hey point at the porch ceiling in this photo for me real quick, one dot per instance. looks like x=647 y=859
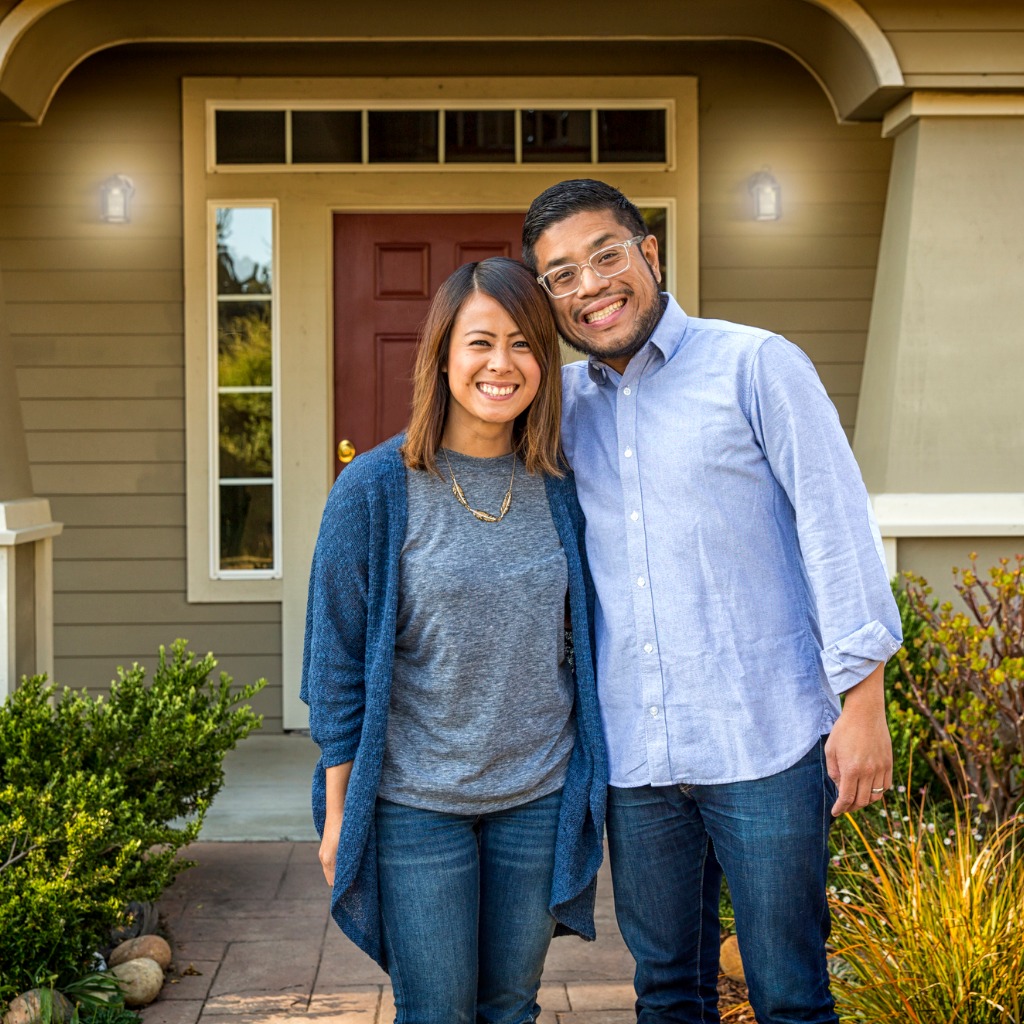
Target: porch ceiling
x=41 y=41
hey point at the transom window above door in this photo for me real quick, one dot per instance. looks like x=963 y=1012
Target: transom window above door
x=292 y=137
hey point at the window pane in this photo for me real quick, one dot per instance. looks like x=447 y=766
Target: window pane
x=245 y=250
x=245 y=436
x=244 y=355
x=403 y=136
x=246 y=527
x=556 y=136
x=631 y=135
x=479 y=136
x=327 y=137
x=250 y=136
x=657 y=225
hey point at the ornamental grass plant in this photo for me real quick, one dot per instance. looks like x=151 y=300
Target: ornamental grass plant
x=926 y=920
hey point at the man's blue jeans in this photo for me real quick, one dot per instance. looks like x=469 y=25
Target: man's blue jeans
x=669 y=846
x=464 y=901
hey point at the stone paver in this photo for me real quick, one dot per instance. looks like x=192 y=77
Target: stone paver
x=254 y=944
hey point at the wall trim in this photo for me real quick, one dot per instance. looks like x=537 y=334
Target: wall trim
x=950 y=104
x=949 y=515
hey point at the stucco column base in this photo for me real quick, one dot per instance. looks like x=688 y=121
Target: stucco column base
x=26 y=590
x=939 y=412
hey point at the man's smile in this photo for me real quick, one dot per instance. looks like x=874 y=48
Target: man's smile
x=596 y=316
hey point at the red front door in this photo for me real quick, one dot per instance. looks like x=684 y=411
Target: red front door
x=386 y=268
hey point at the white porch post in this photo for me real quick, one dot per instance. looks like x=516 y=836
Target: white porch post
x=26 y=543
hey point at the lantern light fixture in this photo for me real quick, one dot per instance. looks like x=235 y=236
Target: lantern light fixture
x=767 y=195
x=116 y=193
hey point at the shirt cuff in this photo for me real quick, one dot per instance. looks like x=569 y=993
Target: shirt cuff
x=852 y=659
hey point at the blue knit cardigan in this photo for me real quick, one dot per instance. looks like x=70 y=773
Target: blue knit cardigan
x=346 y=681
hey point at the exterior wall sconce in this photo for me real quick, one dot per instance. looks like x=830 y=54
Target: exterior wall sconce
x=767 y=195
x=115 y=204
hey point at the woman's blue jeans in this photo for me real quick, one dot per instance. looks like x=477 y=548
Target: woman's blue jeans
x=464 y=901
x=668 y=847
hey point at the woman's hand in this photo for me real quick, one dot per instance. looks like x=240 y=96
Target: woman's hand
x=337 y=785
x=329 y=845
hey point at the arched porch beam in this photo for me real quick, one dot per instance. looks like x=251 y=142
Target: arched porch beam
x=42 y=41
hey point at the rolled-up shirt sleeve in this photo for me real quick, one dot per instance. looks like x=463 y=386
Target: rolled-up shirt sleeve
x=799 y=431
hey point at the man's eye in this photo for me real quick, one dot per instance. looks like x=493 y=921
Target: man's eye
x=608 y=257
x=563 y=275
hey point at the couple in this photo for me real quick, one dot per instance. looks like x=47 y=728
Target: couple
x=469 y=754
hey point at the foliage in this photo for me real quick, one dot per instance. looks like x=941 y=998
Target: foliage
x=963 y=683
x=90 y=790
x=926 y=921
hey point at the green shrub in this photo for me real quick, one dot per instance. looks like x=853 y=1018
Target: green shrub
x=93 y=797
x=963 y=684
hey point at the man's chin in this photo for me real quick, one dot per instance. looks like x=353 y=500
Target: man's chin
x=621 y=351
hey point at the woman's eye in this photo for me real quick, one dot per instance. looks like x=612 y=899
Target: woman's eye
x=522 y=344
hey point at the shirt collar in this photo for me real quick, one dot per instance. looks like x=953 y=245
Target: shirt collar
x=665 y=339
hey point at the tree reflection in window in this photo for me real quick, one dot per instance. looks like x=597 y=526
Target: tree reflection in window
x=245 y=388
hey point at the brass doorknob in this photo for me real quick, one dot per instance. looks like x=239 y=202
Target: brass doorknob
x=346 y=451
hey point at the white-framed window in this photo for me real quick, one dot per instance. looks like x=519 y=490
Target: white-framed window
x=244 y=356
x=458 y=135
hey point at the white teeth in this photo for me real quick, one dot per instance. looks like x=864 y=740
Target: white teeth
x=497 y=392
x=603 y=314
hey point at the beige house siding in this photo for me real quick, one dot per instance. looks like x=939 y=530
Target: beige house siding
x=809 y=275
x=96 y=312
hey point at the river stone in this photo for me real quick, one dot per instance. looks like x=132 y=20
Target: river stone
x=152 y=946
x=141 y=980
x=26 y=1009
x=729 y=959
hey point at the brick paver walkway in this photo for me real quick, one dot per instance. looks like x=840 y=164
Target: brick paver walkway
x=254 y=944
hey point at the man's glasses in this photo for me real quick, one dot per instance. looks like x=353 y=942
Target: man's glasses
x=607 y=262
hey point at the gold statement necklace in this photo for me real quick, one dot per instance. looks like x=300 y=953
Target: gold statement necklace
x=460 y=497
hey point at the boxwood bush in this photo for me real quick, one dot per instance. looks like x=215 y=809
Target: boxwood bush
x=97 y=796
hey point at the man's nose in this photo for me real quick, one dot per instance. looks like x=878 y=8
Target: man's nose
x=591 y=283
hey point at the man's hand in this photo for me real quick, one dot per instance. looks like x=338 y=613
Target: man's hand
x=858 y=753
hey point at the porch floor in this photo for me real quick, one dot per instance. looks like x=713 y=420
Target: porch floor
x=253 y=940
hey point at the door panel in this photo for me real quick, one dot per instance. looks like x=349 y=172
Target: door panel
x=386 y=268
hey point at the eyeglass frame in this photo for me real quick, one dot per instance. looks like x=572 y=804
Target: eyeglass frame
x=627 y=244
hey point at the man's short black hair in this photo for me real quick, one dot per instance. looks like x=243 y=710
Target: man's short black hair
x=576 y=196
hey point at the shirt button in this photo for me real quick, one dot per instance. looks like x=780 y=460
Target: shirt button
x=627 y=391
x=634 y=516
x=628 y=453
x=648 y=648
x=654 y=712
x=640 y=581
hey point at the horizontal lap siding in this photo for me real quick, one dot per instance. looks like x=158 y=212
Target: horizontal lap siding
x=809 y=275
x=95 y=314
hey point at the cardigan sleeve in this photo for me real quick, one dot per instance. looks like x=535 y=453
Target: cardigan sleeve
x=334 y=655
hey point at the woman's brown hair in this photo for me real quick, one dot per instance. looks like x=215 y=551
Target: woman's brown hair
x=535 y=434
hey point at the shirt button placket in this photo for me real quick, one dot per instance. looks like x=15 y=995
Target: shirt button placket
x=651 y=693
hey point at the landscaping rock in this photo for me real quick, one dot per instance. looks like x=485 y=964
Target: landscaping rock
x=729 y=959
x=141 y=980
x=151 y=946
x=27 y=1008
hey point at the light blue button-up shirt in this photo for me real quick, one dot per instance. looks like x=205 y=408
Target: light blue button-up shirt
x=739 y=572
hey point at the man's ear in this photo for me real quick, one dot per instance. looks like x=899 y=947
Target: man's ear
x=649 y=247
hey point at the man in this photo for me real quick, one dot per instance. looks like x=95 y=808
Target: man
x=741 y=589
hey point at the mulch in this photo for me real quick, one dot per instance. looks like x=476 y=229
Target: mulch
x=732 y=1002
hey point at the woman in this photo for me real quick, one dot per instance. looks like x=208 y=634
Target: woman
x=461 y=784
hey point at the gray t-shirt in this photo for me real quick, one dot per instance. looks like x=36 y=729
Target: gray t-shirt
x=481 y=715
